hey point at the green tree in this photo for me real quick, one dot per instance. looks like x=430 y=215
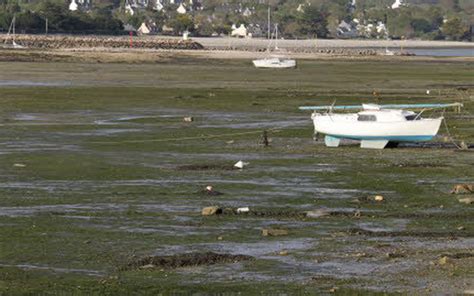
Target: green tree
x=182 y=23
x=454 y=29
x=313 y=22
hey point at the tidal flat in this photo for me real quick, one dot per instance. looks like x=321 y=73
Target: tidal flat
x=99 y=170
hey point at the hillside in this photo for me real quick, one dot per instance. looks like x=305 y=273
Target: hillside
x=423 y=19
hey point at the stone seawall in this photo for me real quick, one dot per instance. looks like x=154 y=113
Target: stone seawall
x=64 y=41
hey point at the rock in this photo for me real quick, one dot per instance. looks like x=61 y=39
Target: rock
x=243 y=210
x=463 y=189
x=378 y=198
x=318 y=213
x=209 y=190
x=468 y=292
x=274 y=232
x=188 y=119
x=209 y=211
x=19 y=165
x=283 y=253
x=467 y=200
x=148 y=266
x=443 y=260
x=220 y=238
x=461 y=228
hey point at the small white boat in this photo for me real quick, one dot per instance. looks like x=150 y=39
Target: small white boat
x=274 y=62
x=376 y=125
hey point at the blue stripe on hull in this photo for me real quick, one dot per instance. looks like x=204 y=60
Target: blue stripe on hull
x=390 y=138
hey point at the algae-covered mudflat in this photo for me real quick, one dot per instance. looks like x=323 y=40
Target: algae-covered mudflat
x=99 y=172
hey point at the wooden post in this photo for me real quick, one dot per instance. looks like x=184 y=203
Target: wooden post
x=131 y=39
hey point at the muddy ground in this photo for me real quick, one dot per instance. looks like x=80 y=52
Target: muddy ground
x=101 y=181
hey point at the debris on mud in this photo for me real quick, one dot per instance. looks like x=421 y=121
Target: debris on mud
x=209 y=190
x=209 y=211
x=206 y=167
x=458 y=255
x=467 y=200
x=432 y=234
x=240 y=164
x=274 y=232
x=186 y=260
x=318 y=213
x=463 y=189
x=419 y=165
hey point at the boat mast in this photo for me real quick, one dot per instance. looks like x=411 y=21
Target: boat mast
x=269 y=29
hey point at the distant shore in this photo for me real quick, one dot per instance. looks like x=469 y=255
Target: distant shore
x=308 y=44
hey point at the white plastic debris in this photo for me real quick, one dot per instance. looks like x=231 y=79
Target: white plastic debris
x=19 y=165
x=240 y=164
x=243 y=210
x=427 y=91
x=209 y=188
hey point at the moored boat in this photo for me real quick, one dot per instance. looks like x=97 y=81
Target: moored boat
x=376 y=125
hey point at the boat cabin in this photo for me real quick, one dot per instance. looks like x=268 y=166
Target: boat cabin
x=386 y=115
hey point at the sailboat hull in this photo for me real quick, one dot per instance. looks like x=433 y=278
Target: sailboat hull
x=347 y=127
x=274 y=63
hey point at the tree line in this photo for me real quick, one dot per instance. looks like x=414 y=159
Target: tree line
x=297 y=19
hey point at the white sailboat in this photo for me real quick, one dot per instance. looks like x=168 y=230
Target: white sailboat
x=376 y=125
x=12 y=29
x=274 y=61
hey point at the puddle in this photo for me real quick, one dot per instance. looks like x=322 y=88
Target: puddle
x=28 y=83
x=56 y=269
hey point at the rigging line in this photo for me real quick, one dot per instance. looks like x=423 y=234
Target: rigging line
x=274 y=130
x=449 y=133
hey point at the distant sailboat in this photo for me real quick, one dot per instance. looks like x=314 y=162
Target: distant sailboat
x=274 y=61
x=12 y=29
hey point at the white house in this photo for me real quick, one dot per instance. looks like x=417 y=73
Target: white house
x=240 y=31
x=73 y=6
x=181 y=9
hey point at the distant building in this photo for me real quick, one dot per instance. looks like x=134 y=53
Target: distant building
x=239 y=32
x=181 y=9
x=347 y=29
x=73 y=5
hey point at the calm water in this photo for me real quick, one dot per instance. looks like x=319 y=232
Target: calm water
x=441 y=52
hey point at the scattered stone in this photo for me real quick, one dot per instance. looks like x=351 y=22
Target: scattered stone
x=209 y=211
x=463 y=189
x=188 y=119
x=148 y=266
x=443 y=260
x=467 y=200
x=264 y=139
x=318 y=213
x=63 y=41
x=357 y=214
x=209 y=190
x=220 y=238
x=283 y=253
x=19 y=165
x=378 y=198
x=243 y=210
x=333 y=290
x=274 y=232
x=392 y=255
x=461 y=228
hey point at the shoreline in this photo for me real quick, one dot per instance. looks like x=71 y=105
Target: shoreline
x=136 y=55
